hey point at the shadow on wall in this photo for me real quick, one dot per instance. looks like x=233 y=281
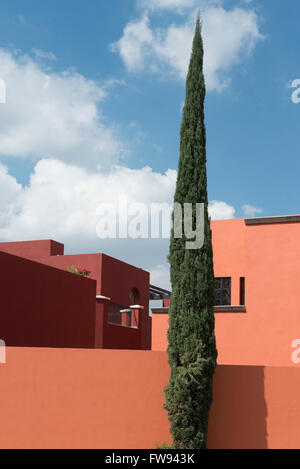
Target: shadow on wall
x=239 y=410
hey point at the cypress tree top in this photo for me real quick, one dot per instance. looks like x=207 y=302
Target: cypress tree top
x=191 y=186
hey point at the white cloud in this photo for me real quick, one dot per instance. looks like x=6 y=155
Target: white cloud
x=219 y=210
x=61 y=199
x=54 y=115
x=250 y=210
x=10 y=190
x=228 y=35
x=137 y=36
x=61 y=202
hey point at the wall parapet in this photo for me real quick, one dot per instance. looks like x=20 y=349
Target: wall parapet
x=272 y=220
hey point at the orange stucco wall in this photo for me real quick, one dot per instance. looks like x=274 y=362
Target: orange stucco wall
x=268 y=256
x=160 y=324
x=255 y=407
x=67 y=398
x=80 y=398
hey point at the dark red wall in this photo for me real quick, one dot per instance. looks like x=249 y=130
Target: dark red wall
x=91 y=262
x=42 y=306
x=33 y=249
x=115 y=279
x=118 y=278
x=112 y=336
x=120 y=337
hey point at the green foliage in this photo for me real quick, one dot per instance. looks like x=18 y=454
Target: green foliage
x=82 y=272
x=73 y=270
x=192 y=348
x=164 y=446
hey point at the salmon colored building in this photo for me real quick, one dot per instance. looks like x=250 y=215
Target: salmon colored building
x=257 y=271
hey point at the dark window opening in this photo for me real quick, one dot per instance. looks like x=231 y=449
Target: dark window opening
x=242 y=291
x=222 y=291
x=119 y=315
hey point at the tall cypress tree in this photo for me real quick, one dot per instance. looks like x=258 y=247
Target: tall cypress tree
x=192 y=348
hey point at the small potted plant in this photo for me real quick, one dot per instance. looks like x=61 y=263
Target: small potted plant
x=79 y=271
x=84 y=272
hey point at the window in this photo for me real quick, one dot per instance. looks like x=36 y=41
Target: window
x=222 y=291
x=242 y=291
x=134 y=296
x=119 y=315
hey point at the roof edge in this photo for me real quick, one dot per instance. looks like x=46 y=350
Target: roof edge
x=272 y=220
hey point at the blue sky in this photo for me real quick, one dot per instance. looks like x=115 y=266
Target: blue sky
x=94 y=95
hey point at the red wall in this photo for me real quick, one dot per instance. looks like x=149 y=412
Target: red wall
x=118 y=279
x=92 y=262
x=114 y=336
x=74 y=398
x=42 y=306
x=115 y=279
x=33 y=249
x=120 y=337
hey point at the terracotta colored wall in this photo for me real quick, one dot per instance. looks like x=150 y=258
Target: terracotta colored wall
x=160 y=324
x=74 y=398
x=54 y=398
x=268 y=256
x=255 y=407
x=43 y=306
x=229 y=248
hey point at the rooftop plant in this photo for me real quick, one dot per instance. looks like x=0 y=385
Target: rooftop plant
x=79 y=271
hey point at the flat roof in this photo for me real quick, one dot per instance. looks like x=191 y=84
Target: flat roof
x=269 y=220
x=157 y=293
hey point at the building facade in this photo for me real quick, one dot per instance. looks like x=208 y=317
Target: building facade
x=257 y=312
x=43 y=304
